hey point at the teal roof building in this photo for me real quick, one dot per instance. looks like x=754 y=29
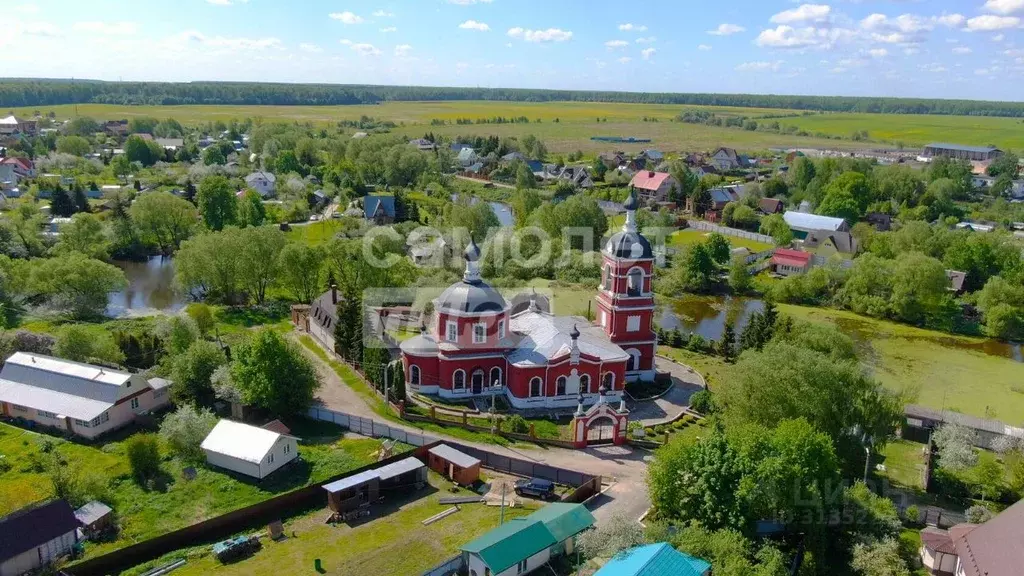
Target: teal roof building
x=654 y=560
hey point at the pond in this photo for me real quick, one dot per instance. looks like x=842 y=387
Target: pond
x=708 y=315
x=150 y=289
x=501 y=210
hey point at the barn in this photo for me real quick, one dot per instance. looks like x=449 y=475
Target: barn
x=248 y=450
x=461 y=468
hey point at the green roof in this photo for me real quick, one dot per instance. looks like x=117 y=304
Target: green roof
x=511 y=542
x=521 y=538
x=563 y=519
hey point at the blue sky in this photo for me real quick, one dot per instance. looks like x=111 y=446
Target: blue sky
x=928 y=48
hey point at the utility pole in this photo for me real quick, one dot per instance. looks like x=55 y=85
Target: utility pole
x=504 y=486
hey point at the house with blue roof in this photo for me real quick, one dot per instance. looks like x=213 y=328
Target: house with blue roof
x=379 y=209
x=654 y=560
x=523 y=545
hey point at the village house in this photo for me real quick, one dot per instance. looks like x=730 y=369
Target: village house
x=467 y=157
x=654 y=560
x=423 y=145
x=172 y=144
x=613 y=160
x=22 y=167
x=323 y=316
x=771 y=206
x=960 y=152
x=826 y=243
x=262 y=182
x=989 y=549
x=652 y=155
x=726 y=159
x=523 y=545
x=82 y=399
x=802 y=223
x=983 y=227
x=479 y=347
x=880 y=220
x=787 y=262
x=653 y=186
x=245 y=449
x=956 y=281
x=11 y=125
x=34 y=537
x=379 y=209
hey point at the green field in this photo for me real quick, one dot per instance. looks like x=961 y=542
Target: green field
x=144 y=512
x=691 y=236
x=393 y=542
x=577 y=123
x=940 y=370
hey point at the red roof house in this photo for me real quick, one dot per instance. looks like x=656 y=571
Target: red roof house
x=787 y=262
x=23 y=166
x=653 y=185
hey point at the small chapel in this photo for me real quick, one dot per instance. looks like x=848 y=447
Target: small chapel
x=478 y=347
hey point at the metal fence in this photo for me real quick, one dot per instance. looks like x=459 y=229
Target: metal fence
x=446 y=568
x=709 y=227
x=822 y=260
x=368 y=427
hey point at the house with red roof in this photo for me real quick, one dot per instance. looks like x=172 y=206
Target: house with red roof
x=653 y=186
x=989 y=549
x=787 y=262
x=23 y=167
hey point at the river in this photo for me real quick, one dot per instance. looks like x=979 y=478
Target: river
x=708 y=315
x=501 y=210
x=150 y=289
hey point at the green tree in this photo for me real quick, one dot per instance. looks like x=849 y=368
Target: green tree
x=739 y=276
x=989 y=474
x=719 y=247
x=216 y=202
x=77 y=283
x=685 y=182
x=121 y=166
x=693 y=269
x=143 y=452
x=164 y=220
x=803 y=172
x=74 y=145
x=86 y=235
x=82 y=343
x=191 y=373
x=900 y=184
x=701 y=200
x=61 y=203
x=1007 y=164
x=523 y=203
x=598 y=169
x=775 y=187
x=259 y=258
x=846 y=197
x=299 y=265
x=879 y=558
x=524 y=177
x=202 y=315
x=274 y=375
x=775 y=226
x=287 y=162
x=213 y=156
x=727 y=347
x=251 y=211
x=184 y=431
x=136 y=149
x=178 y=332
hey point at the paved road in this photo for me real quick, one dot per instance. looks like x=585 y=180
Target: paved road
x=685 y=382
x=625 y=466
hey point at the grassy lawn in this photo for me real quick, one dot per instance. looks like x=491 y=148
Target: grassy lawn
x=910 y=543
x=690 y=236
x=939 y=370
x=314 y=233
x=715 y=371
x=104 y=474
x=395 y=544
x=904 y=463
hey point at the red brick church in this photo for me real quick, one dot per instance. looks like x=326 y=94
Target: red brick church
x=538 y=360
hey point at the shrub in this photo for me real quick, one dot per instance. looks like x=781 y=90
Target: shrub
x=978 y=514
x=703 y=402
x=516 y=424
x=675 y=338
x=5 y=464
x=912 y=514
x=143 y=456
x=697 y=343
x=185 y=429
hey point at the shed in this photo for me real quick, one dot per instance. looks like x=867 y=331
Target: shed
x=95 y=517
x=36 y=536
x=461 y=468
x=348 y=493
x=247 y=449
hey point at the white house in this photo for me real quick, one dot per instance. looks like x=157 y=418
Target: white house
x=81 y=398
x=34 y=537
x=248 y=450
x=467 y=157
x=523 y=545
x=262 y=182
x=801 y=223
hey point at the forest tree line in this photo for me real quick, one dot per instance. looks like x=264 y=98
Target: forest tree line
x=49 y=92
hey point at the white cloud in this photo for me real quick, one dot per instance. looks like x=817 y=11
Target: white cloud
x=107 y=28
x=402 y=50
x=934 y=68
x=646 y=40
x=989 y=22
x=760 y=66
x=365 y=49
x=311 y=48
x=628 y=27
x=910 y=51
x=951 y=20
x=647 y=53
x=345 y=41
x=226 y=2
x=986 y=71
x=999 y=37
x=789 y=37
x=346 y=17
x=903 y=29
x=726 y=30
x=1004 y=6
x=469 y=2
x=624 y=60
x=474 y=25
x=19 y=28
x=803 y=13
x=549 y=35
x=612 y=44
x=703 y=47
x=878 y=52
x=508 y=44
x=389 y=29
x=383 y=14
x=961 y=50
x=228 y=43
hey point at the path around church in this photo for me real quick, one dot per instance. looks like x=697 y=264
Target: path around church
x=625 y=467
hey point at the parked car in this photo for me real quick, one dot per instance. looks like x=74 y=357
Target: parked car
x=536 y=487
